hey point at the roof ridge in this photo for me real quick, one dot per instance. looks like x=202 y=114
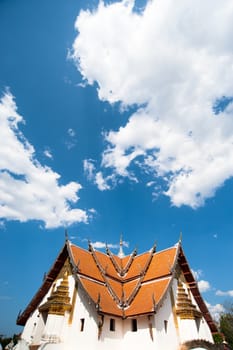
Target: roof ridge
x=129 y=262
x=101 y=269
x=120 y=269
x=143 y=272
x=113 y=260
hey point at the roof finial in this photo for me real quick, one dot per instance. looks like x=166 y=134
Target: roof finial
x=66 y=235
x=180 y=239
x=121 y=252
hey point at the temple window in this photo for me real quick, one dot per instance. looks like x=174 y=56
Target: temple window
x=82 y=321
x=134 y=325
x=112 y=325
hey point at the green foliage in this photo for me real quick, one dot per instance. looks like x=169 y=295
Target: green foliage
x=226 y=325
x=218 y=338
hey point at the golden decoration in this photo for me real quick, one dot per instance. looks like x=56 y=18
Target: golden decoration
x=185 y=309
x=59 y=301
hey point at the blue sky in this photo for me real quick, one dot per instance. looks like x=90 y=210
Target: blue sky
x=115 y=119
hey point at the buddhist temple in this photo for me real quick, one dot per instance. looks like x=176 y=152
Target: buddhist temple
x=95 y=300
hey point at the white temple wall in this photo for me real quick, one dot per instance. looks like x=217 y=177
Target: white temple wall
x=35 y=326
x=80 y=329
x=139 y=337
x=53 y=329
x=204 y=331
x=39 y=329
x=166 y=336
x=188 y=330
x=29 y=328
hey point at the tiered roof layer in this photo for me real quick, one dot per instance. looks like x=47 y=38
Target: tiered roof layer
x=131 y=286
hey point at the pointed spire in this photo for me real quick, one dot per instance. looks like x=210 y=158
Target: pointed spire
x=66 y=235
x=121 y=252
x=153 y=249
x=180 y=239
x=90 y=247
x=107 y=250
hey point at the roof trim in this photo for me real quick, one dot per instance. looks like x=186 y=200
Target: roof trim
x=195 y=290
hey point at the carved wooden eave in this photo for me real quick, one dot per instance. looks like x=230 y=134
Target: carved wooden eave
x=192 y=284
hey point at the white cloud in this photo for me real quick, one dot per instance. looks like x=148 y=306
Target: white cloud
x=125 y=244
x=29 y=190
x=203 y=286
x=100 y=245
x=92 y=210
x=197 y=273
x=71 y=132
x=101 y=182
x=71 y=141
x=89 y=168
x=228 y=293
x=174 y=59
x=48 y=153
x=97 y=177
x=92 y=213
x=215 y=310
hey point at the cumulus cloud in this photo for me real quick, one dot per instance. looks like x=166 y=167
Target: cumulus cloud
x=215 y=310
x=228 y=293
x=174 y=60
x=103 y=183
x=29 y=190
x=203 y=286
x=100 y=245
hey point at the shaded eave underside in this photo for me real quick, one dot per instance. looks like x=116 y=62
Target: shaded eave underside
x=195 y=291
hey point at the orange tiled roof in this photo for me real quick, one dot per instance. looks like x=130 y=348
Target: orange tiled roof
x=124 y=287
x=148 y=297
x=85 y=264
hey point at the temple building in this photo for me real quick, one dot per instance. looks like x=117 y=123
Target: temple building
x=94 y=300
